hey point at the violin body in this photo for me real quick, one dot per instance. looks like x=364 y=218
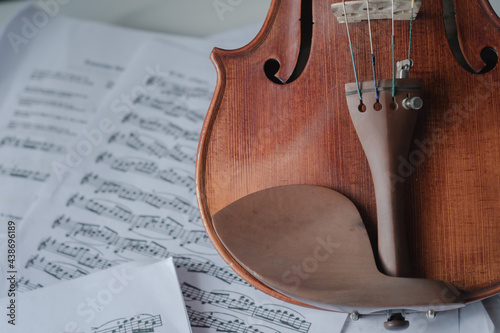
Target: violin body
x=295 y=128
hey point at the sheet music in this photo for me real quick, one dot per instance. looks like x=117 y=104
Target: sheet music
x=133 y=198
x=129 y=298
x=446 y=322
x=51 y=83
x=480 y=316
x=472 y=318
x=49 y=101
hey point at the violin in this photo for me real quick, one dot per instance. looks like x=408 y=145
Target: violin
x=350 y=163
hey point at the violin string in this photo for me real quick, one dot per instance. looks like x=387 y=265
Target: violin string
x=352 y=53
x=411 y=29
x=393 y=38
x=372 y=54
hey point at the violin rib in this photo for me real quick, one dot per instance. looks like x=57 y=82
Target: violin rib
x=260 y=134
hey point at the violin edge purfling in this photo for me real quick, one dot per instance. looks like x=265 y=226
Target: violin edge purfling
x=250 y=143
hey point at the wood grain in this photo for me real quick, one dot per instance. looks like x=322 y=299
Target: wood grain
x=259 y=134
x=333 y=268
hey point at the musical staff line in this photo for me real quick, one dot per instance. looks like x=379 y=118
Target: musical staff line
x=148 y=168
x=170 y=88
x=110 y=237
x=220 y=324
x=161 y=126
x=170 y=108
x=24 y=285
x=24 y=173
x=58 y=270
x=27 y=143
x=79 y=253
x=117 y=212
x=243 y=304
x=151 y=146
x=48 y=103
x=55 y=92
x=44 y=74
x=137 y=324
x=24 y=125
x=165 y=226
x=131 y=193
x=32 y=114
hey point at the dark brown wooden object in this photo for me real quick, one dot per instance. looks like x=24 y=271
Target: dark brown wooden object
x=259 y=134
x=385 y=130
x=309 y=243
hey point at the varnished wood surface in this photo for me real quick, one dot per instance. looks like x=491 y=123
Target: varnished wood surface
x=260 y=134
x=337 y=269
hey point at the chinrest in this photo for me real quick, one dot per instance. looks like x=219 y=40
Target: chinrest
x=310 y=243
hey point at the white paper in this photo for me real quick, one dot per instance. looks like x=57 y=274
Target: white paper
x=48 y=95
x=133 y=197
x=490 y=316
x=53 y=75
x=133 y=297
x=444 y=322
x=472 y=318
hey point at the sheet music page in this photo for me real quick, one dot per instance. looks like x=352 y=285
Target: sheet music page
x=53 y=76
x=131 y=196
x=127 y=189
x=472 y=318
x=133 y=297
x=477 y=317
x=445 y=322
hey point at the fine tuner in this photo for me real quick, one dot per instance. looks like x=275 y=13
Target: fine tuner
x=303 y=180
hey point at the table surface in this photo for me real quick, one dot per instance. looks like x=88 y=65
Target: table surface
x=186 y=17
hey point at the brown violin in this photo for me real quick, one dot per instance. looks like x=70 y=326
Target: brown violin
x=349 y=158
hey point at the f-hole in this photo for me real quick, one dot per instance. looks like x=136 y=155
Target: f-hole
x=272 y=66
x=489 y=55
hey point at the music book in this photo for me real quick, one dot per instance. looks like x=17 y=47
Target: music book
x=98 y=140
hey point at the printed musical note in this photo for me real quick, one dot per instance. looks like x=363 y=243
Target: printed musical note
x=120 y=244
x=24 y=285
x=170 y=88
x=209 y=268
x=136 y=324
x=149 y=168
x=22 y=125
x=53 y=92
x=46 y=74
x=10 y=217
x=59 y=270
x=40 y=114
x=83 y=255
x=124 y=191
x=26 y=101
x=92 y=231
x=275 y=314
x=165 y=226
x=170 y=108
x=27 y=143
x=103 y=214
x=161 y=126
x=151 y=146
x=222 y=322
x=24 y=173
